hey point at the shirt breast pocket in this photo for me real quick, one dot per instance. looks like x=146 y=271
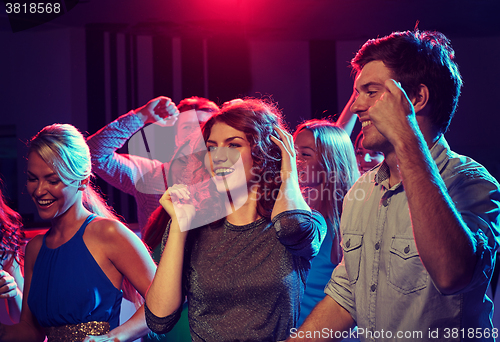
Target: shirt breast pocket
x=351 y=245
x=405 y=272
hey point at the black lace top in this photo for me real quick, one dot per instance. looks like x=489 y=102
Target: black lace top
x=245 y=283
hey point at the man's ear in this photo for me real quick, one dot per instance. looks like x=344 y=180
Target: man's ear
x=420 y=100
x=84 y=183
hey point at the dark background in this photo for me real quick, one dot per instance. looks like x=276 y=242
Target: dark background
x=102 y=58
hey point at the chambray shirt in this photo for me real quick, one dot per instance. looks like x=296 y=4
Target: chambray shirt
x=143 y=178
x=381 y=281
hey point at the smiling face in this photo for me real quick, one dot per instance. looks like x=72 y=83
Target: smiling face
x=229 y=158
x=369 y=86
x=188 y=122
x=51 y=196
x=367 y=159
x=310 y=174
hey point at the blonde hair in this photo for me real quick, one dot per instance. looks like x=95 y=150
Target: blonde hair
x=336 y=156
x=65 y=150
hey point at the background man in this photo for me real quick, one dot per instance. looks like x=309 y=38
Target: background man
x=125 y=171
x=145 y=177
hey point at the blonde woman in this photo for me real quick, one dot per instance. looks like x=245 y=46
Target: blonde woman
x=328 y=169
x=74 y=273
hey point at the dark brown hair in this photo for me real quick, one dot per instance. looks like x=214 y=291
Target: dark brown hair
x=256 y=118
x=415 y=58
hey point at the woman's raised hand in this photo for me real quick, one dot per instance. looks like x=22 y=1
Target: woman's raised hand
x=290 y=196
x=178 y=204
x=288 y=155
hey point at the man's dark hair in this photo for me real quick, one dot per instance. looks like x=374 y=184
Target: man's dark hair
x=419 y=57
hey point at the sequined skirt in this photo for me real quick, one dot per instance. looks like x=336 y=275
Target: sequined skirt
x=76 y=332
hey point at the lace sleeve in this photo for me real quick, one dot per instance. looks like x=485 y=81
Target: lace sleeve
x=162 y=325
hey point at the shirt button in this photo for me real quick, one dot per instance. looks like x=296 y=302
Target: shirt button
x=348 y=243
x=372 y=330
x=385 y=202
x=407 y=249
x=377 y=246
x=373 y=287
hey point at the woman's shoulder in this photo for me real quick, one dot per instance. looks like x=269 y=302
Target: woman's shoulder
x=35 y=243
x=32 y=248
x=107 y=230
x=111 y=238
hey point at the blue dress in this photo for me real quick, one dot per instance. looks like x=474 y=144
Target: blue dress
x=319 y=275
x=69 y=287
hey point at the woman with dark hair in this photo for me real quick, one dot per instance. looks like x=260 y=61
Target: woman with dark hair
x=244 y=269
x=11 y=261
x=327 y=170
x=74 y=273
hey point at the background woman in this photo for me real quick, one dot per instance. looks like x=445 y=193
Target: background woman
x=153 y=232
x=328 y=169
x=11 y=258
x=73 y=273
x=367 y=159
x=243 y=275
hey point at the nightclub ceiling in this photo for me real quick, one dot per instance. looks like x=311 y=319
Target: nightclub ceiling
x=285 y=19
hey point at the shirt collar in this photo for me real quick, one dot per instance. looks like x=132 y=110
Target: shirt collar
x=383 y=173
x=440 y=153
